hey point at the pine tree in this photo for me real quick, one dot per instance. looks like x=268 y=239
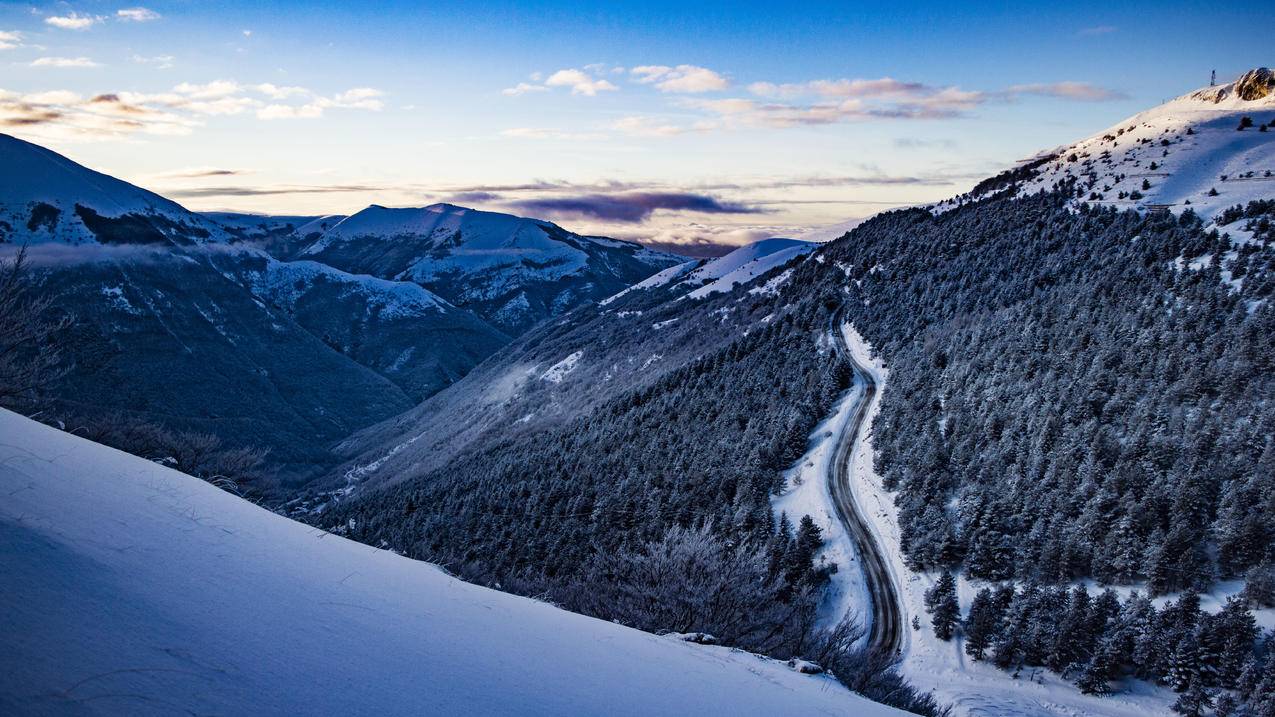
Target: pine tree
x=944 y=608
x=982 y=624
x=1193 y=701
x=801 y=559
x=1095 y=677
x=1184 y=664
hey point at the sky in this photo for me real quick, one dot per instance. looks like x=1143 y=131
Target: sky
x=689 y=124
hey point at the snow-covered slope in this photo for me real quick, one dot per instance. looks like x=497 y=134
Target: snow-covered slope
x=701 y=278
x=745 y=264
x=133 y=589
x=45 y=197
x=287 y=281
x=1188 y=152
x=513 y=271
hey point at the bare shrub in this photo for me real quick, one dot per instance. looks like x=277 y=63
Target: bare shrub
x=195 y=453
x=30 y=357
x=692 y=581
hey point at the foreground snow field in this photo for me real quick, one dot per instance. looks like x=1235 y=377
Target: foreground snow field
x=130 y=588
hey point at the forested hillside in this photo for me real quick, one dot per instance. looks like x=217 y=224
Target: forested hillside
x=1074 y=394
x=702 y=447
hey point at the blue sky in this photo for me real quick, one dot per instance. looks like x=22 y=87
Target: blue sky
x=678 y=122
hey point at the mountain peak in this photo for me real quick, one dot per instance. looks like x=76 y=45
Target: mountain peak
x=46 y=197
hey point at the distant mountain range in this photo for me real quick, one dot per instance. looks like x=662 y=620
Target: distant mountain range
x=284 y=332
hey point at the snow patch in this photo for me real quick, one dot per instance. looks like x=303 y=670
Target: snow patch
x=559 y=371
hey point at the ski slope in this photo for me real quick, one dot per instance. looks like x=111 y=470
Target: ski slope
x=133 y=589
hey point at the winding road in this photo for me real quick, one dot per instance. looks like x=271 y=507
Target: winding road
x=886 y=631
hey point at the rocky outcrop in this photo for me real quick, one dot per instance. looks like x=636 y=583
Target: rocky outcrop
x=1252 y=85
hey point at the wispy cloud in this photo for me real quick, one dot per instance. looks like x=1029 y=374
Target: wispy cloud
x=73 y=21
x=882 y=87
x=643 y=126
x=857 y=100
x=111 y=115
x=871 y=177
x=580 y=82
x=546 y=133
x=1099 y=30
x=1081 y=91
x=162 y=62
x=64 y=62
x=523 y=88
x=10 y=39
x=689 y=79
x=630 y=207
x=202 y=173
x=240 y=191
x=137 y=14
x=359 y=98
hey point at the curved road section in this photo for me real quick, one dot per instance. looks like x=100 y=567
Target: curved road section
x=886 y=632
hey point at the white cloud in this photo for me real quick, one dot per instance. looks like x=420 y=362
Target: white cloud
x=65 y=115
x=210 y=90
x=638 y=126
x=544 y=133
x=73 y=21
x=523 y=88
x=690 y=79
x=64 y=62
x=10 y=39
x=162 y=62
x=136 y=14
x=1099 y=30
x=580 y=82
x=276 y=92
x=359 y=98
x=219 y=106
x=306 y=111
x=52 y=97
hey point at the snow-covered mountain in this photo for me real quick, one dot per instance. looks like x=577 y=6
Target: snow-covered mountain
x=133 y=589
x=1207 y=150
x=187 y=322
x=512 y=271
x=45 y=197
